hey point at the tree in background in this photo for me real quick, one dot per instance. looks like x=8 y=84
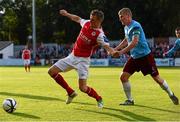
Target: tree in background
x=158 y=17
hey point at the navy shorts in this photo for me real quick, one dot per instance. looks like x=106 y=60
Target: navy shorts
x=144 y=64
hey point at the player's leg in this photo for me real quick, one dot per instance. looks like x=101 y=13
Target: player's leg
x=163 y=84
x=151 y=68
x=25 y=65
x=54 y=73
x=28 y=66
x=127 y=88
x=82 y=69
x=128 y=70
x=90 y=92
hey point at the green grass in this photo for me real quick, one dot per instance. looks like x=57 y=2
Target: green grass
x=41 y=99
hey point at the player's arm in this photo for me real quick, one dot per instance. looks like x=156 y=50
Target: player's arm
x=70 y=16
x=173 y=49
x=104 y=42
x=131 y=45
x=135 y=39
x=110 y=50
x=124 y=43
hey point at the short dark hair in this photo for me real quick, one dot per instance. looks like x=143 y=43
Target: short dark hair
x=98 y=13
x=178 y=28
x=125 y=11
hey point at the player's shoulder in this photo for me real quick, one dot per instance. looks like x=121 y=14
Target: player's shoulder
x=84 y=21
x=100 y=31
x=135 y=23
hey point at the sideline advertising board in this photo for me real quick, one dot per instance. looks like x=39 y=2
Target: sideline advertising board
x=177 y=62
x=162 y=61
x=99 y=62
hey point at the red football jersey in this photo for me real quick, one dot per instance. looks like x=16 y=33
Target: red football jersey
x=26 y=54
x=87 y=40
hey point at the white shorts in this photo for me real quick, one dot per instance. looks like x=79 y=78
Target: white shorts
x=80 y=64
x=26 y=61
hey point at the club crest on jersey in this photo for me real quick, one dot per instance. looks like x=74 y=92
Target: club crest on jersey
x=93 y=33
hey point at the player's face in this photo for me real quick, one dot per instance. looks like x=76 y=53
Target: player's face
x=125 y=19
x=95 y=22
x=178 y=33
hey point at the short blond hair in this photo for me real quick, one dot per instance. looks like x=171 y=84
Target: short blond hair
x=125 y=11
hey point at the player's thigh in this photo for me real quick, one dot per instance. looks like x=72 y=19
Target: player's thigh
x=59 y=66
x=28 y=62
x=83 y=70
x=148 y=66
x=54 y=70
x=65 y=64
x=25 y=62
x=130 y=66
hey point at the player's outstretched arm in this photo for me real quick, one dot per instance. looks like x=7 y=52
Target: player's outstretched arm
x=123 y=44
x=70 y=16
x=127 y=48
x=109 y=49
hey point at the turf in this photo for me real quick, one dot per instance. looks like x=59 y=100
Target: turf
x=39 y=98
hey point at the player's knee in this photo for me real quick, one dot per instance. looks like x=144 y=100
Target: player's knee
x=82 y=88
x=50 y=72
x=123 y=78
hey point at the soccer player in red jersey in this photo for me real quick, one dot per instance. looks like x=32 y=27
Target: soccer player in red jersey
x=91 y=35
x=26 y=56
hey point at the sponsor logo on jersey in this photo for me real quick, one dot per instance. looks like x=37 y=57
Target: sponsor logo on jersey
x=84 y=38
x=93 y=33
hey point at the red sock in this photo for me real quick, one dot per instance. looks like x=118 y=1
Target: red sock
x=60 y=80
x=92 y=93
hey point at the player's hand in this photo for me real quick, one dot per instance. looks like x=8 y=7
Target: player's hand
x=63 y=12
x=115 y=49
x=115 y=54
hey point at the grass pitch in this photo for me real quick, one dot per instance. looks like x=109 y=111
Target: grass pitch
x=39 y=98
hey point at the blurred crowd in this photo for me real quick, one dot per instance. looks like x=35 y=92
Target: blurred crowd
x=159 y=49
x=55 y=51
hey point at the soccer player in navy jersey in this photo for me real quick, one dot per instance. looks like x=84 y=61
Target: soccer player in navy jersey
x=176 y=46
x=91 y=35
x=140 y=59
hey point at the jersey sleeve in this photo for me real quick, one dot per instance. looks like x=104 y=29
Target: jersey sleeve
x=174 y=48
x=82 y=22
x=102 y=39
x=136 y=31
